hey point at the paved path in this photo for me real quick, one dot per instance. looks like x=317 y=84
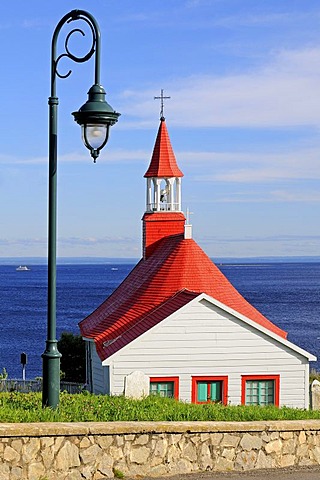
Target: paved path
x=307 y=473
x=312 y=473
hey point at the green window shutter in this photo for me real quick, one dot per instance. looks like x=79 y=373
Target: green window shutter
x=209 y=391
x=202 y=392
x=216 y=392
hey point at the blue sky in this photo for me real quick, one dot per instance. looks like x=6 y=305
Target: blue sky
x=243 y=118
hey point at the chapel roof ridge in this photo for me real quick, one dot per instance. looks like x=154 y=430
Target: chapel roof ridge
x=177 y=271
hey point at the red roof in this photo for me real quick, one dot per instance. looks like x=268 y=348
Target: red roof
x=163 y=162
x=176 y=273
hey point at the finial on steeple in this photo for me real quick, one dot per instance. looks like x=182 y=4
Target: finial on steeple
x=162 y=98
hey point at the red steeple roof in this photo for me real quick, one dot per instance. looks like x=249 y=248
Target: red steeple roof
x=176 y=273
x=163 y=162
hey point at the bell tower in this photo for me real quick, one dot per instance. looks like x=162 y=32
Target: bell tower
x=163 y=215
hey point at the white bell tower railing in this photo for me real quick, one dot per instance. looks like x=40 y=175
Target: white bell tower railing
x=163 y=194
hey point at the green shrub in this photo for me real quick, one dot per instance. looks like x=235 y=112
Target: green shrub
x=84 y=407
x=4 y=374
x=73 y=360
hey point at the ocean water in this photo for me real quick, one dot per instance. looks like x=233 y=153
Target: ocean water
x=287 y=293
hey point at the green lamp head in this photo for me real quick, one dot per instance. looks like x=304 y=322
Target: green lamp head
x=95 y=117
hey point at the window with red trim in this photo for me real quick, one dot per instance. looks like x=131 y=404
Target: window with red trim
x=210 y=390
x=165 y=387
x=260 y=390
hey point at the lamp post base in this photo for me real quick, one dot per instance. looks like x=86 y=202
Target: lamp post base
x=51 y=375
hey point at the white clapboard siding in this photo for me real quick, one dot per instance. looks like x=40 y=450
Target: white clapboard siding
x=203 y=339
x=100 y=374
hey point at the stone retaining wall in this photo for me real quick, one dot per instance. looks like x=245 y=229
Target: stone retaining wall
x=74 y=451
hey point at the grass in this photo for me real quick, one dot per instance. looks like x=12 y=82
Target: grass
x=117 y=473
x=19 y=407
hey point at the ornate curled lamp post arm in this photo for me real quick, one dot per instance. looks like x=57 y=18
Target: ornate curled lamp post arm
x=95 y=117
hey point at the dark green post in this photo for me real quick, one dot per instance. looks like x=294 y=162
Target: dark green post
x=51 y=355
x=95 y=119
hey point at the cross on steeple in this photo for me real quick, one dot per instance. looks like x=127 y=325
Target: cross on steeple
x=162 y=98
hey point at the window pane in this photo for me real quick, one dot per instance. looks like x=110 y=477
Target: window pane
x=259 y=392
x=252 y=395
x=153 y=388
x=164 y=389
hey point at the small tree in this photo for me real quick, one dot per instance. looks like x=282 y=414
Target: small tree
x=4 y=374
x=73 y=360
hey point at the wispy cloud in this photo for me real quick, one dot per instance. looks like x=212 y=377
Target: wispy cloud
x=256 y=167
x=67 y=241
x=113 y=155
x=266 y=19
x=312 y=196
x=6 y=242
x=261 y=238
x=284 y=92
x=261 y=245
x=30 y=23
x=120 y=246
x=90 y=241
x=27 y=23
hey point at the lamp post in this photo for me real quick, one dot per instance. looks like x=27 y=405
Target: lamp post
x=95 y=117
